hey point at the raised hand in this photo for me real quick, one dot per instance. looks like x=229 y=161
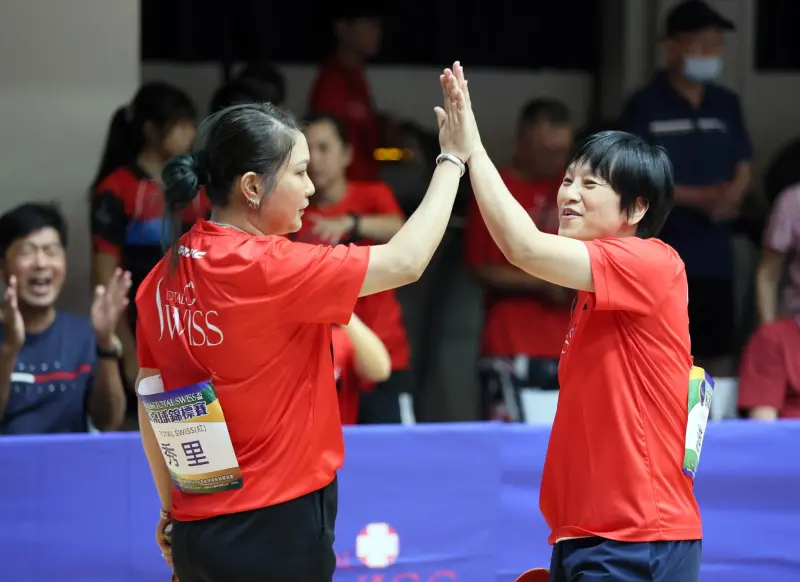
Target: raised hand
x=110 y=302
x=458 y=134
x=12 y=319
x=470 y=124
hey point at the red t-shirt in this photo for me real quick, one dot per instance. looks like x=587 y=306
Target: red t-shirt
x=344 y=372
x=769 y=374
x=381 y=312
x=613 y=466
x=344 y=92
x=517 y=322
x=254 y=313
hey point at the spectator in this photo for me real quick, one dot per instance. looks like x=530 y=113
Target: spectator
x=341 y=211
x=702 y=128
x=781 y=247
x=256 y=84
x=55 y=368
x=359 y=357
x=769 y=375
x=526 y=318
x=341 y=87
x=127 y=217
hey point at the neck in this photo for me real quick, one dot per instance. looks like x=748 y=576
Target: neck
x=692 y=91
x=151 y=162
x=350 y=58
x=37 y=319
x=235 y=218
x=330 y=195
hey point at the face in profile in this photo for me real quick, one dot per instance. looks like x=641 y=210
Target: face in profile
x=330 y=156
x=178 y=139
x=589 y=208
x=281 y=211
x=39 y=263
x=544 y=148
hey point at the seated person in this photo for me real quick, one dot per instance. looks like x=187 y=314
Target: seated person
x=346 y=211
x=56 y=368
x=526 y=318
x=256 y=84
x=359 y=357
x=769 y=373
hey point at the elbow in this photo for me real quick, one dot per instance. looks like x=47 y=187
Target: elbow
x=382 y=371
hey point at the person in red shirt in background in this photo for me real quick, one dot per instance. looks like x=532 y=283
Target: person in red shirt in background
x=365 y=213
x=341 y=87
x=127 y=204
x=617 y=486
x=358 y=356
x=526 y=317
x=769 y=373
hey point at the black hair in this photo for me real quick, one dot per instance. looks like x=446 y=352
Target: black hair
x=241 y=91
x=549 y=110
x=26 y=219
x=158 y=103
x=253 y=137
x=338 y=124
x=268 y=78
x=635 y=170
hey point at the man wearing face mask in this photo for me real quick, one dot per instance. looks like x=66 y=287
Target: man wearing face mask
x=701 y=125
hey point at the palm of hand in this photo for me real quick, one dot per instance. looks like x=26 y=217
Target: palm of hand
x=458 y=128
x=109 y=303
x=12 y=318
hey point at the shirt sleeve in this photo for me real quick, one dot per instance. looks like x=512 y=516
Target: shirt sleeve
x=143 y=353
x=315 y=283
x=633 y=274
x=783 y=220
x=479 y=246
x=109 y=222
x=762 y=373
x=634 y=117
x=383 y=201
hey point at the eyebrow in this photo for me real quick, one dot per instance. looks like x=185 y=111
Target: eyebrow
x=301 y=162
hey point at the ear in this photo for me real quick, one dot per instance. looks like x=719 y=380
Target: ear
x=248 y=185
x=637 y=213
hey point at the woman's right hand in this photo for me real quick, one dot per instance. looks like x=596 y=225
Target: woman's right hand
x=458 y=130
x=165 y=541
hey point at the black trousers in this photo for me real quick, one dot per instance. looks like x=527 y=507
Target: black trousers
x=289 y=542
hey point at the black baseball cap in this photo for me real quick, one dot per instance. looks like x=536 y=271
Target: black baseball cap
x=693 y=16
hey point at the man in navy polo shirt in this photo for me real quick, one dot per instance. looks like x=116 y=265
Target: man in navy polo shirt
x=57 y=370
x=701 y=126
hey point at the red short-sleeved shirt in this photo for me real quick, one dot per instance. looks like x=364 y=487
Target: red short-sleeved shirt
x=613 y=466
x=255 y=314
x=344 y=372
x=769 y=374
x=517 y=322
x=343 y=91
x=382 y=311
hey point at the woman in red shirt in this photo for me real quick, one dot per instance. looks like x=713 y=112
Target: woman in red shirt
x=128 y=211
x=364 y=213
x=240 y=422
x=358 y=356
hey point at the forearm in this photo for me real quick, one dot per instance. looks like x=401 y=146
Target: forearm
x=741 y=182
x=8 y=360
x=768 y=275
x=107 y=397
x=161 y=476
x=380 y=228
x=404 y=258
x=763 y=413
x=372 y=360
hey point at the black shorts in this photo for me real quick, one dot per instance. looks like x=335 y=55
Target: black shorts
x=712 y=316
x=381 y=405
x=288 y=542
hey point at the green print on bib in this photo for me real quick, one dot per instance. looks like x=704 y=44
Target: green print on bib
x=701 y=389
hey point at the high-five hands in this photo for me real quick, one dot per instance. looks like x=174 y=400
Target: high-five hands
x=458 y=130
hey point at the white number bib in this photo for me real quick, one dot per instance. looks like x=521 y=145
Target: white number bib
x=701 y=389
x=191 y=431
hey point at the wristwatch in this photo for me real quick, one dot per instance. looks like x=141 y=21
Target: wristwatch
x=115 y=353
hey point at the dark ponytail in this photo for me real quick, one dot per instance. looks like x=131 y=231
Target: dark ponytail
x=119 y=149
x=183 y=176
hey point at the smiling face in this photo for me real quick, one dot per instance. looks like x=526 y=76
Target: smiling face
x=39 y=263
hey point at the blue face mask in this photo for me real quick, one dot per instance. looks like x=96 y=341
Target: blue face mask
x=702 y=69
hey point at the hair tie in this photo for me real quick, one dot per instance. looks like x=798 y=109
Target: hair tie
x=201 y=165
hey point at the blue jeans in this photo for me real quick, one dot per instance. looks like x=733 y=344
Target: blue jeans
x=598 y=559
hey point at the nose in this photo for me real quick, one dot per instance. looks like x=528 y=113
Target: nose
x=569 y=194
x=310 y=189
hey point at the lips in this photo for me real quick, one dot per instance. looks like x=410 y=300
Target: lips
x=570 y=213
x=40 y=285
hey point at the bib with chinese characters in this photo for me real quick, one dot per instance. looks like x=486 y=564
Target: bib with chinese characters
x=190 y=429
x=701 y=389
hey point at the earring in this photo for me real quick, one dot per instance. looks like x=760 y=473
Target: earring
x=253 y=203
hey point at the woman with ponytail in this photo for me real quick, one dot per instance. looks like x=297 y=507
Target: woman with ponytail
x=127 y=213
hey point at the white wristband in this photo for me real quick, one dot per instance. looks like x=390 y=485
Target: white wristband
x=451 y=158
